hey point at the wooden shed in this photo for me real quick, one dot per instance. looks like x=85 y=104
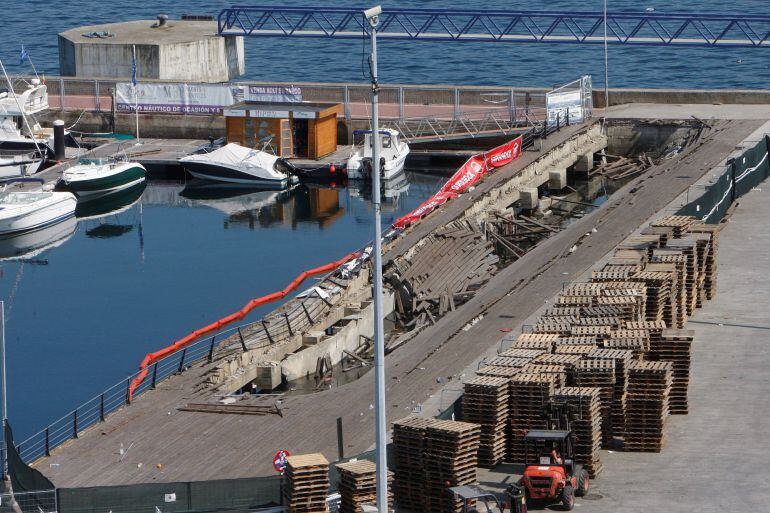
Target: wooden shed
x=290 y=130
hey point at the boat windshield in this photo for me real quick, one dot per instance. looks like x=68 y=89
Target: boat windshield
x=94 y=161
x=22 y=198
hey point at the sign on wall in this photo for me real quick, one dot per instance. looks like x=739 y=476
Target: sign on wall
x=177 y=98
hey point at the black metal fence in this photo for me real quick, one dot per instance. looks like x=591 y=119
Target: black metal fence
x=740 y=175
x=200 y=496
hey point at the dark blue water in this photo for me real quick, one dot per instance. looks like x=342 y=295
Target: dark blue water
x=436 y=63
x=81 y=315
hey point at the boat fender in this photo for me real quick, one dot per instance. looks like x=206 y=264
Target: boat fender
x=332 y=169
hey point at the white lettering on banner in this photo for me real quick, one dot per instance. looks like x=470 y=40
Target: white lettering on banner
x=274 y=94
x=177 y=98
x=502 y=156
x=472 y=171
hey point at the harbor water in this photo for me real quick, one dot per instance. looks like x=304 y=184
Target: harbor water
x=543 y=65
x=83 y=309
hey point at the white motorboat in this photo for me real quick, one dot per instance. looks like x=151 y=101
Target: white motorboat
x=19 y=165
x=16 y=133
x=233 y=163
x=393 y=152
x=101 y=176
x=27 y=211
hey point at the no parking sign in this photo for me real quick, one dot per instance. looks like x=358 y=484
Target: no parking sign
x=279 y=460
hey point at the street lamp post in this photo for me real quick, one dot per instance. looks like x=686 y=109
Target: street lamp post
x=372 y=17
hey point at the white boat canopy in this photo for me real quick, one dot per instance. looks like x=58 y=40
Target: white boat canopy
x=258 y=163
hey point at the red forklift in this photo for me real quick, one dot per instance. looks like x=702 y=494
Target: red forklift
x=551 y=475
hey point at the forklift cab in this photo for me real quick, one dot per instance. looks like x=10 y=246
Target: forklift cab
x=550 y=448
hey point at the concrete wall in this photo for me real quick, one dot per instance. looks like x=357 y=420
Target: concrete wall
x=592 y=139
x=634 y=137
x=210 y=59
x=205 y=60
x=679 y=96
x=299 y=364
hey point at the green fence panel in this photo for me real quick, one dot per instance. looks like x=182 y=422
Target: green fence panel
x=742 y=174
x=196 y=496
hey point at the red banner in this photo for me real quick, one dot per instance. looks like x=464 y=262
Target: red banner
x=470 y=173
x=504 y=154
x=424 y=209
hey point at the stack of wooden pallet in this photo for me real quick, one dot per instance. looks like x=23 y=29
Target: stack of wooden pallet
x=649 y=386
x=621 y=359
x=679 y=224
x=306 y=483
x=358 y=485
x=600 y=374
x=485 y=402
x=658 y=293
x=409 y=465
x=710 y=264
x=679 y=260
x=675 y=347
x=450 y=458
x=688 y=248
x=586 y=424
x=529 y=395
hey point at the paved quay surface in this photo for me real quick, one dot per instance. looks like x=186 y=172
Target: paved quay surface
x=195 y=446
x=714 y=457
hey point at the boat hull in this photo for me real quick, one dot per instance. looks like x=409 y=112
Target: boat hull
x=216 y=173
x=60 y=208
x=102 y=185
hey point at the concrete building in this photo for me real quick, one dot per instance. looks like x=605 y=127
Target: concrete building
x=179 y=50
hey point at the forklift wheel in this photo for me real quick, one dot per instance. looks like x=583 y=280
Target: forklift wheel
x=583 y=484
x=568 y=498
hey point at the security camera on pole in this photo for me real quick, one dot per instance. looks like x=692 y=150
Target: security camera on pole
x=372 y=17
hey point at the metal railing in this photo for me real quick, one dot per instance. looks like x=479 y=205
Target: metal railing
x=96 y=410
x=465 y=124
x=397 y=101
x=29 y=502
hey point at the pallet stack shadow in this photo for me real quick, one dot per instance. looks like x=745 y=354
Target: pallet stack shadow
x=306 y=483
x=485 y=402
x=358 y=485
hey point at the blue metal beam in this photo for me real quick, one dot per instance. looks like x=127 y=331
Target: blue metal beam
x=624 y=28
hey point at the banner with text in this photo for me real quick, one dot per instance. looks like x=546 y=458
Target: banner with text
x=503 y=154
x=274 y=94
x=177 y=98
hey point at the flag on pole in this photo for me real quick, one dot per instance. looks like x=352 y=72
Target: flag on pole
x=23 y=55
x=133 y=66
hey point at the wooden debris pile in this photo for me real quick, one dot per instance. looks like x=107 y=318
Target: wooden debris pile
x=618 y=167
x=306 y=483
x=441 y=273
x=514 y=234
